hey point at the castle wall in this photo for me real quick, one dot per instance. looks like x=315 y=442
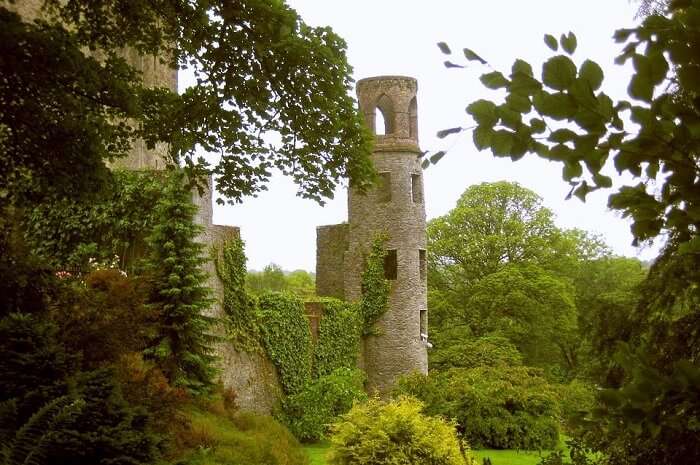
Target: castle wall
x=331 y=244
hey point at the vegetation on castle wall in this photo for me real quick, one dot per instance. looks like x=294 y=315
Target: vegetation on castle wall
x=69 y=233
x=339 y=334
x=242 y=329
x=375 y=288
x=287 y=338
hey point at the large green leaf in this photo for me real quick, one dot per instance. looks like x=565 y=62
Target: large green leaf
x=559 y=72
x=483 y=112
x=519 y=103
x=482 y=137
x=502 y=142
x=592 y=73
x=558 y=106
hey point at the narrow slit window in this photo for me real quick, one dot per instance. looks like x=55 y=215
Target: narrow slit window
x=422 y=265
x=424 y=325
x=390 y=265
x=416 y=191
x=384 y=187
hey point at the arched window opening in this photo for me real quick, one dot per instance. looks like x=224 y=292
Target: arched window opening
x=413 y=119
x=379 y=122
x=384 y=116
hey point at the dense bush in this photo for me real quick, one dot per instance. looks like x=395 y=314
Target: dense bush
x=104 y=316
x=395 y=433
x=309 y=413
x=287 y=338
x=339 y=335
x=496 y=407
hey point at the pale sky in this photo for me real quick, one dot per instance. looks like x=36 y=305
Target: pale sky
x=399 y=37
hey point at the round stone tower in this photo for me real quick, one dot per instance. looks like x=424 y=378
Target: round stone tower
x=394 y=207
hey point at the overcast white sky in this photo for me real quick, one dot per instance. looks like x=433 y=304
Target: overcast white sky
x=399 y=37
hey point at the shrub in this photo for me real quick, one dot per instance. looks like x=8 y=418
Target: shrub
x=309 y=413
x=501 y=408
x=395 y=433
x=104 y=317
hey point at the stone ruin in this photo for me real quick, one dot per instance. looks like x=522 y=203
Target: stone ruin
x=395 y=207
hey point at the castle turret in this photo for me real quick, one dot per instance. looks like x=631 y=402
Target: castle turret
x=395 y=207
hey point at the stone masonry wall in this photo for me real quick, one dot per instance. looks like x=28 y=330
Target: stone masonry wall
x=331 y=244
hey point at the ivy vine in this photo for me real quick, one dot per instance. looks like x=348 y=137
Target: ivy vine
x=339 y=334
x=287 y=338
x=375 y=287
x=69 y=233
x=242 y=328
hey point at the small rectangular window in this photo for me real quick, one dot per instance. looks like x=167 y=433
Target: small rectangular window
x=384 y=187
x=416 y=191
x=422 y=265
x=390 y=265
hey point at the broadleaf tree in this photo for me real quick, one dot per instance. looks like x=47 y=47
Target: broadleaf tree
x=650 y=413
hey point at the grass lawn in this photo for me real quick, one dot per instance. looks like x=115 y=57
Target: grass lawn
x=317 y=452
x=509 y=456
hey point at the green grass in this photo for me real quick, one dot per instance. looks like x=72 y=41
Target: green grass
x=317 y=452
x=509 y=456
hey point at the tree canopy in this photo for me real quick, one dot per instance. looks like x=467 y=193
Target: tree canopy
x=260 y=72
x=649 y=413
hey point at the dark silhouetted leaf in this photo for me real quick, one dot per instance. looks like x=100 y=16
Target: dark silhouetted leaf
x=568 y=42
x=471 y=56
x=446 y=132
x=444 y=48
x=551 y=42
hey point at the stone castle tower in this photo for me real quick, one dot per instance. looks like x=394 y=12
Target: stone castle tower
x=395 y=207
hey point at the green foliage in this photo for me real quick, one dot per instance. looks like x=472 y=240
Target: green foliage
x=667 y=140
x=91 y=110
x=107 y=430
x=502 y=407
x=242 y=328
x=33 y=368
x=467 y=351
x=394 y=433
x=183 y=346
x=339 y=334
x=287 y=338
x=72 y=233
x=375 y=288
x=309 y=413
x=498 y=266
x=103 y=317
x=649 y=415
x=274 y=279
